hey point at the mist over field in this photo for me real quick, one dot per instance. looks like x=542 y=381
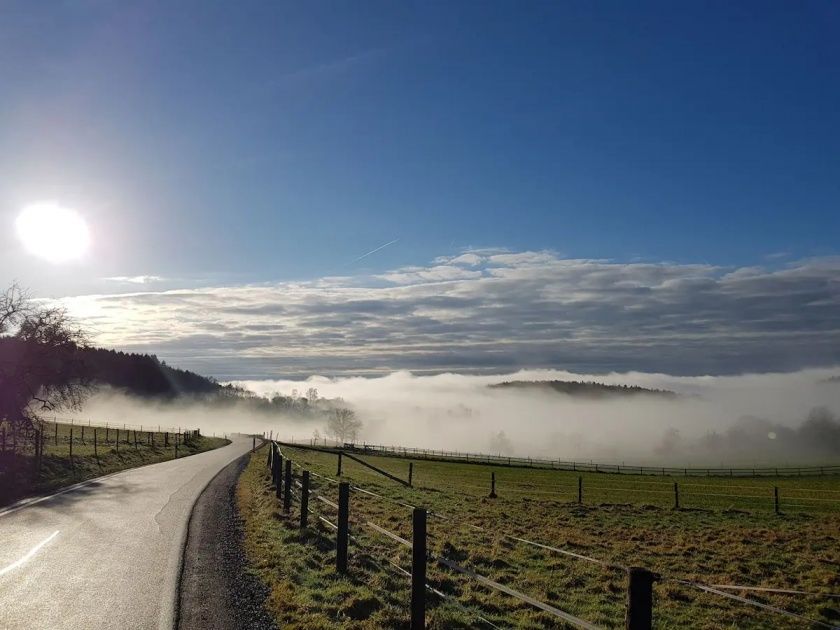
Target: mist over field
x=715 y=420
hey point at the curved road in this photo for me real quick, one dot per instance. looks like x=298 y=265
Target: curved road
x=106 y=553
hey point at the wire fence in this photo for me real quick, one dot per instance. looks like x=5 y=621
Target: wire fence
x=558 y=464
x=716 y=493
x=115 y=424
x=639 y=581
x=56 y=431
x=418 y=545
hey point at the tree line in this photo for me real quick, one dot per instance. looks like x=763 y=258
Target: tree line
x=48 y=364
x=589 y=389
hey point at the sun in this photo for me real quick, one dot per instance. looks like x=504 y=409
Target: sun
x=53 y=232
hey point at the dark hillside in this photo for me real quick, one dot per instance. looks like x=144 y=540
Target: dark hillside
x=139 y=374
x=585 y=389
x=142 y=374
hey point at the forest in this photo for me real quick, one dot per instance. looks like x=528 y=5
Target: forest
x=589 y=389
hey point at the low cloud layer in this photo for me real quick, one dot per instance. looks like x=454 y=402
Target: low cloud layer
x=492 y=310
x=768 y=419
x=748 y=420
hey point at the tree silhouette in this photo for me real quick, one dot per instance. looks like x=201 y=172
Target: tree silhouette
x=343 y=425
x=40 y=367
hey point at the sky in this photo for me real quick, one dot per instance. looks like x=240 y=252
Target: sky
x=277 y=189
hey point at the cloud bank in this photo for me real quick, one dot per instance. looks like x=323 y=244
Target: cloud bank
x=748 y=420
x=488 y=310
x=716 y=421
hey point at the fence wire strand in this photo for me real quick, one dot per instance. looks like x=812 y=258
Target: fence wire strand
x=751 y=602
x=719 y=589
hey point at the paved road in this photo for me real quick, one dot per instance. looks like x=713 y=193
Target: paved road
x=106 y=554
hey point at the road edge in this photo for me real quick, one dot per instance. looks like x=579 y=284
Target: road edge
x=38 y=498
x=184 y=587
x=176 y=566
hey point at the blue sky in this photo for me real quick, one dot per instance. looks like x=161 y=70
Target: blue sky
x=231 y=143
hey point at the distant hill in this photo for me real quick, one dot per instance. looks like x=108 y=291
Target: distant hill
x=585 y=389
x=138 y=374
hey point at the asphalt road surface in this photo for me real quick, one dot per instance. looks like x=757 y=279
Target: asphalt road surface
x=107 y=553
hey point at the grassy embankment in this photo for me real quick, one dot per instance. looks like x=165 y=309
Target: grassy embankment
x=18 y=478
x=724 y=533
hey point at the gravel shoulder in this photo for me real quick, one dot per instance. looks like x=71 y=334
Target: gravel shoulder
x=216 y=590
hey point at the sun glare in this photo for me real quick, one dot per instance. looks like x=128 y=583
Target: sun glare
x=53 y=232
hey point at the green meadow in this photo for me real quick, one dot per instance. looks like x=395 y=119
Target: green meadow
x=725 y=531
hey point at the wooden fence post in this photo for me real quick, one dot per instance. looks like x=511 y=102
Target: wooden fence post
x=343 y=526
x=272 y=461
x=304 y=500
x=253 y=443
x=83 y=434
x=71 y=441
x=278 y=478
x=493 y=485
x=410 y=472
x=338 y=472
x=418 y=570
x=639 y=614
x=580 y=489
x=56 y=433
x=287 y=498
x=676 y=496
x=776 y=499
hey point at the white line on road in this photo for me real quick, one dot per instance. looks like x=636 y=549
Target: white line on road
x=29 y=555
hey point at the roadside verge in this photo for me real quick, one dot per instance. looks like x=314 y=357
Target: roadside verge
x=216 y=591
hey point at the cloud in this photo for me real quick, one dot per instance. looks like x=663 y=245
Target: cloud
x=491 y=310
x=715 y=421
x=136 y=279
x=438 y=273
x=471 y=259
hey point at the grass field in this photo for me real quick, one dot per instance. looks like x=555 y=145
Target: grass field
x=726 y=532
x=95 y=452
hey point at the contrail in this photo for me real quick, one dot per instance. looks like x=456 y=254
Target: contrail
x=373 y=251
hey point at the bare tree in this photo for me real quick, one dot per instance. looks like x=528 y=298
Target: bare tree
x=14 y=306
x=40 y=366
x=343 y=425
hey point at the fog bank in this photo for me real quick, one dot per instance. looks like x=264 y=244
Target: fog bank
x=717 y=420
x=751 y=419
